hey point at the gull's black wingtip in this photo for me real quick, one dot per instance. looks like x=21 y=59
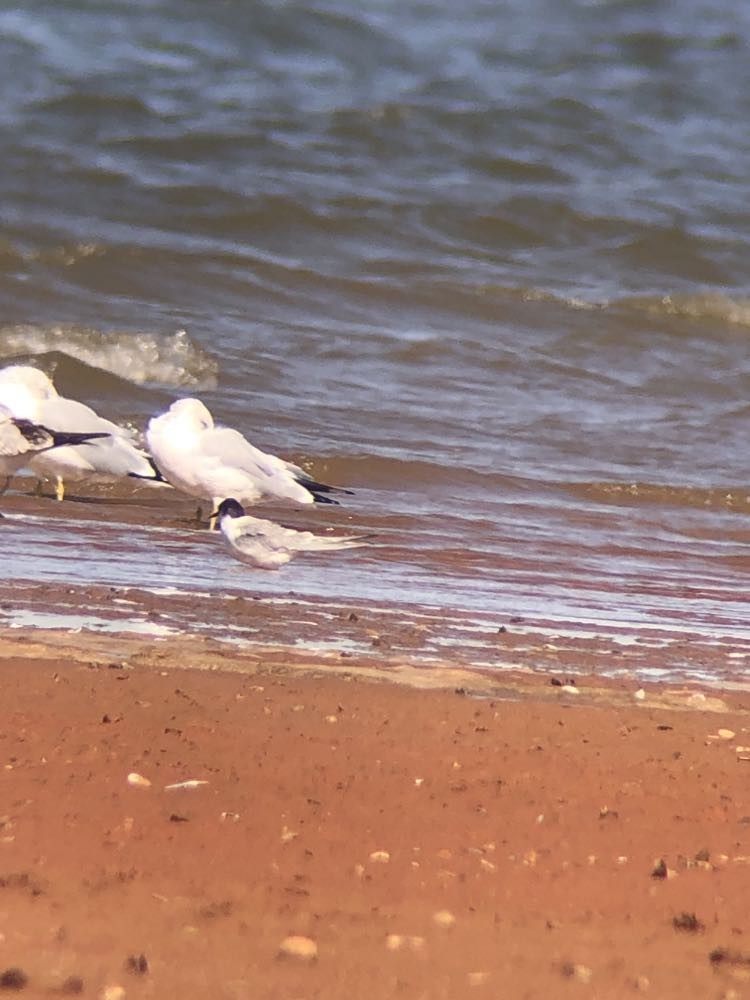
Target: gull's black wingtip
x=323 y=498
x=321 y=491
x=157 y=476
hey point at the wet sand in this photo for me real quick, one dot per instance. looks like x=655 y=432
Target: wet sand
x=121 y=558
x=539 y=840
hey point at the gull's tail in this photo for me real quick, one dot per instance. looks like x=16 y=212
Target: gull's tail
x=320 y=491
x=42 y=438
x=157 y=477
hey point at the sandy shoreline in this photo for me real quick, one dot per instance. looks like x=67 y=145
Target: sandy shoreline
x=438 y=804
x=429 y=843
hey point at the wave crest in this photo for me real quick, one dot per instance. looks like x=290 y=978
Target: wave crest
x=710 y=305
x=140 y=357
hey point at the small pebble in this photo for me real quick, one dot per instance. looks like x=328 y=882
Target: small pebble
x=13 y=979
x=72 y=986
x=137 y=964
x=687 y=922
x=725 y=734
x=659 y=869
x=138 y=781
x=380 y=857
x=443 y=918
x=394 y=942
x=640 y=695
x=302 y=949
x=185 y=785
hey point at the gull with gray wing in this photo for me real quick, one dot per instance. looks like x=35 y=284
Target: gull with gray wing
x=23 y=440
x=215 y=463
x=28 y=393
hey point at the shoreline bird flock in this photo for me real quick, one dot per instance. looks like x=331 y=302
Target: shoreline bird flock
x=64 y=439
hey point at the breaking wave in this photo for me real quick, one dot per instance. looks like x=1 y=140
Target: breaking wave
x=708 y=306
x=141 y=358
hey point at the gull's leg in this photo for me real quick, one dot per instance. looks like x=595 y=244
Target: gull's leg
x=39 y=488
x=212 y=520
x=6 y=484
x=60 y=489
x=198 y=514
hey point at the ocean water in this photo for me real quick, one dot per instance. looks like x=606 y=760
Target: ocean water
x=486 y=264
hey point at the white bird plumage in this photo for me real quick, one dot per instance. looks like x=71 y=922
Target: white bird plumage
x=267 y=545
x=23 y=440
x=28 y=393
x=214 y=463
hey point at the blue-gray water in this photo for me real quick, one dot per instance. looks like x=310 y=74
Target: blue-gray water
x=486 y=263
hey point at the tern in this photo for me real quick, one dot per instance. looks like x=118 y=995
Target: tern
x=267 y=545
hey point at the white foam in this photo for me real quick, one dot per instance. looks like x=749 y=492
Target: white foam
x=140 y=357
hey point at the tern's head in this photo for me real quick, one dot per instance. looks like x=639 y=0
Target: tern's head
x=192 y=411
x=33 y=380
x=229 y=508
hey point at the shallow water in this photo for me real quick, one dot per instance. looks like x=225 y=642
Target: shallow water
x=487 y=266
x=161 y=582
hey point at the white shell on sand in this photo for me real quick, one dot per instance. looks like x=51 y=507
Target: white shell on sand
x=137 y=780
x=303 y=949
x=113 y=993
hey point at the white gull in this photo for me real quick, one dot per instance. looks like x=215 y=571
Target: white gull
x=215 y=463
x=23 y=440
x=30 y=394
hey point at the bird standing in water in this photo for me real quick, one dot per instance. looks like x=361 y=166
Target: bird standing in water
x=213 y=463
x=23 y=440
x=28 y=393
x=267 y=545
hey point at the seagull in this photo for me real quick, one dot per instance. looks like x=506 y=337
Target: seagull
x=29 y=394
x=206 y=461
x=22 y=440
x=267 y=545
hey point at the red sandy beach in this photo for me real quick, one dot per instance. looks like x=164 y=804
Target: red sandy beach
x=410 y=842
